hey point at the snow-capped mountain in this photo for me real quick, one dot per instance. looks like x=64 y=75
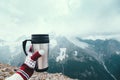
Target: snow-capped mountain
x=11 y=52
x=86 y=59
x=76 y=57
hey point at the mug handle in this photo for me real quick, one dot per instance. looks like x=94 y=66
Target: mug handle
x=24 y=46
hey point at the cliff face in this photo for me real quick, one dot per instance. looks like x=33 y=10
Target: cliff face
x=7 y=70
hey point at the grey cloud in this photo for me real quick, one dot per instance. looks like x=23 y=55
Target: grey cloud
x=61 y=16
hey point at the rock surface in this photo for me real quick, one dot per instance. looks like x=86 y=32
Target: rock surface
x=7 y=70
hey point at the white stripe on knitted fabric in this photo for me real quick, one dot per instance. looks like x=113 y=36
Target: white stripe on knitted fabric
x=24 y=74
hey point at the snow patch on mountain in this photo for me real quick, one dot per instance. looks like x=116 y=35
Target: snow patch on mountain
x=91 y=37
x=77 y=42
x=75 y=53
x=53 y=43
x=118 y=52
x=102 y=37
x=105 y=67
x=62 y=55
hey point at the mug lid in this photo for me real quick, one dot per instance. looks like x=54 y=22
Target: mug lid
x=40 y=38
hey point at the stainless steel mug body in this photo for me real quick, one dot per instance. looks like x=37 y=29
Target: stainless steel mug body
x=39 y=41
x=42 y=62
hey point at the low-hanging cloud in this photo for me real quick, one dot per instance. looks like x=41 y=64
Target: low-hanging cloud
x=60 y=16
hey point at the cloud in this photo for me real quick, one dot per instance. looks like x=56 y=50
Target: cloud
x=74 y=4
x=21 y=17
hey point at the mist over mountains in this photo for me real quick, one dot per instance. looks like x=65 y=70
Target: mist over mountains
x=76 y=57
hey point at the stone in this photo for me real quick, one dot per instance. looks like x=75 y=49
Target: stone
x=7 y=70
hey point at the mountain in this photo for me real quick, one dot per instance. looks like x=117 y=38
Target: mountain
x=9 y=52
x=84 y=59
x=90 y=60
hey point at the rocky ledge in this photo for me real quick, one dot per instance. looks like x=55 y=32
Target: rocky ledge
x=7 y=70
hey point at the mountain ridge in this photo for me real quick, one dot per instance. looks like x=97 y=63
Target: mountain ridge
x=96 y=61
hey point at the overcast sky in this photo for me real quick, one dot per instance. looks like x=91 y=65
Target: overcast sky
x=25 y=17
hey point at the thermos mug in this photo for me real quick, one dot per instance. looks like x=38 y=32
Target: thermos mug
x=39 y=41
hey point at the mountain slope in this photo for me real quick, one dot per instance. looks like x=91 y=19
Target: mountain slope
x=86 y=62
x=84 y=59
